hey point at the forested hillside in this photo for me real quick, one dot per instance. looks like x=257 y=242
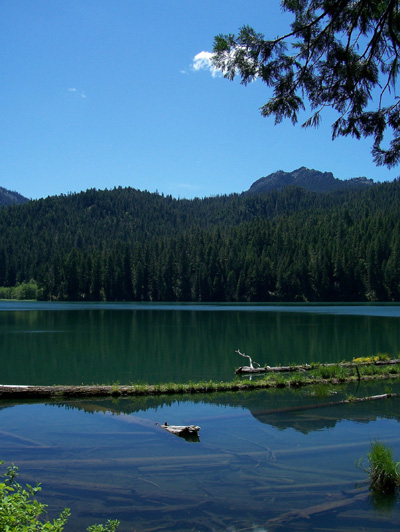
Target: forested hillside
x=124 y=244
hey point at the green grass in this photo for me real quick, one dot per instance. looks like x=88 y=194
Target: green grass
x=319 y=374
x=383 y=471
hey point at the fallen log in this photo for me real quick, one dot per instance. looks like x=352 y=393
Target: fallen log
x=188 y=432
x=61 y=392
x=308 y=367
x=247 y=369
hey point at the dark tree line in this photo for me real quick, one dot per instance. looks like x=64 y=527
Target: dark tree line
x=128 y=245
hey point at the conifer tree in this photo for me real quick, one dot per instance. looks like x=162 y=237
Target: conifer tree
x=342 y=54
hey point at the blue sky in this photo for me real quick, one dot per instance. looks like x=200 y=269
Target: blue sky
x=106 y=93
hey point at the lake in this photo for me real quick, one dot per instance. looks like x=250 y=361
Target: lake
x=75 y=343
x=266 y=460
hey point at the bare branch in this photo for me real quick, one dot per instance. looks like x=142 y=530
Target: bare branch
x=250 y=360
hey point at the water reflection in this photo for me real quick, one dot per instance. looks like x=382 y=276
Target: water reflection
x=260 y=463
x=304 y=410
x=100 y=344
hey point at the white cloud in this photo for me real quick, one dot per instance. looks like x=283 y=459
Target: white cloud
x=81 y=94
x=202 y=61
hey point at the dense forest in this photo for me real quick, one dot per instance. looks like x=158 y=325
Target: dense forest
x=124 y=244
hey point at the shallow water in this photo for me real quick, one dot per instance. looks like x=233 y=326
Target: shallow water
x=266 y=460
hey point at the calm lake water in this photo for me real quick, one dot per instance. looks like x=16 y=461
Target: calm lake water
x=266 y=460
x=67 y=343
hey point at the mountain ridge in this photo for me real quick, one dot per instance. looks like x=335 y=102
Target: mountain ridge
x=8 y=197
x=305 y=178
x=309 y=179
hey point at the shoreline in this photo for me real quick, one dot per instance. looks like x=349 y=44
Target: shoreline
x=294 y=380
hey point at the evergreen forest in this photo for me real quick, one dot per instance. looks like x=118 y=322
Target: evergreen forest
x=130 y=245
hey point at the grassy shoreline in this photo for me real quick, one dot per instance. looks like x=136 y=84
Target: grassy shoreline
x=319 y=374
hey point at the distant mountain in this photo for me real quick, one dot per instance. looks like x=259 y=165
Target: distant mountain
x=7 y=197
x=311 y=180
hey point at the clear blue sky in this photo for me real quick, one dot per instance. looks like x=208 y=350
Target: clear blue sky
x=105 y=93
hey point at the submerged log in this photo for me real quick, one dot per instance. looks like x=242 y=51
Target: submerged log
x=347 y=499
x=188 y=432
x=298 y=408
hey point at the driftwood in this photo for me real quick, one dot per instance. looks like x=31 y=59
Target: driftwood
x=308 y=367
x=188 y=432
x=247 y=370
x=251 y=368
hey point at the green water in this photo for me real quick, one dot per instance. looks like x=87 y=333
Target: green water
x=45 y=343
